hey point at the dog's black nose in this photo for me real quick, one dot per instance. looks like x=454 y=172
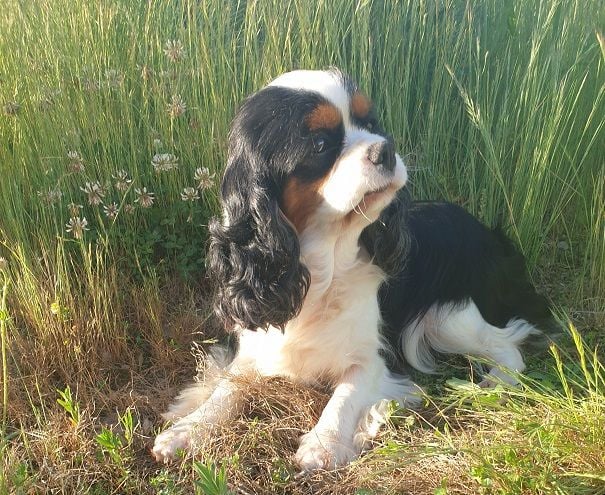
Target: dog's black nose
x=382 y=153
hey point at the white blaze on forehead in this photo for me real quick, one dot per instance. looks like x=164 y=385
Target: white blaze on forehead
x=328 y=84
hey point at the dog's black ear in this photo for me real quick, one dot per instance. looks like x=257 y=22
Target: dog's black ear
x=254 y=252
x=387 y=239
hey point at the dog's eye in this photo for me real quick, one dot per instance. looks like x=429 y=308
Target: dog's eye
x=319 y=144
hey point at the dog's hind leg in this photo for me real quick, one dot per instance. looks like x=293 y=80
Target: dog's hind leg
x=460 y=329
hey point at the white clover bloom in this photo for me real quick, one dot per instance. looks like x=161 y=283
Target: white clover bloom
x=144 y=198
x=190 y=194
x=76 y=163
x=88 y=84
x=204 y=178
x=164 y=162
x=11 y=108
x=111 y=210
x=95 y=192
x=115 y=78
x=77 y=226
x=3 y=264
x=174 y=50
x=122 y=180
x=176 y=107
x=74 y=209
x=128 y=209
x=51 y=196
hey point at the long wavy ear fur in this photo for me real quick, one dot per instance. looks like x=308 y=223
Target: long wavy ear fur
x=255 y=255
x=387 y=239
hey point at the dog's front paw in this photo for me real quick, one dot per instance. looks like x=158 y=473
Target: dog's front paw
x=320 y=450
x=168 y=443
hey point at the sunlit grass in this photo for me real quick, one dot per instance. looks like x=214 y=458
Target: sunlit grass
x=113 y=127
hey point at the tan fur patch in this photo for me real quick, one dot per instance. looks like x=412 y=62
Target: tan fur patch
x=360 y=105
x=300 y=200
x=324 y=116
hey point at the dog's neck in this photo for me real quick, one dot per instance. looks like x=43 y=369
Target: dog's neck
x=332 y=252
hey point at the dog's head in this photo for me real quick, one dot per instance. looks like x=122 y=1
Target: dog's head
x=307 y=156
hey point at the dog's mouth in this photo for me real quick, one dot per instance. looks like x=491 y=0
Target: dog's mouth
x=370 y=198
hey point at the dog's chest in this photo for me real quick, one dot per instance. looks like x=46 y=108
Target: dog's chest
x=336 y=329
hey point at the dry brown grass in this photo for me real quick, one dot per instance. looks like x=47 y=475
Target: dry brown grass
x=45 y=452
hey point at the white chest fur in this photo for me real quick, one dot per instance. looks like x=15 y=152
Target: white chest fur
x=338 y=325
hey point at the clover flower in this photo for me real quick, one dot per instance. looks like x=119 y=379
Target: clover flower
x=174 y=50
x=111 y=210
x=144 y=198
x=11 y=108
x=115 y=78
x=122 y=180
x=76 y=163
x=89 y=84
x=164 y=162
x=190 y=194
x=3 y=264
x=51 y=196
x=74 y=209
x=204 y=178
x=176 y=107
x=77 y=226
x=128 y=209
x=95 y=192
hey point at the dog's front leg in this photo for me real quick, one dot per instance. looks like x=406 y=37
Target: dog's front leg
x=331 y=442
x=184 y=434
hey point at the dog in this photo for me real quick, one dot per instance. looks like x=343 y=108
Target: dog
x=329 y=273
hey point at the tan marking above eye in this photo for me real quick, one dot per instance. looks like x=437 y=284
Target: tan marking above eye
x=360 y=105
x=324 y=116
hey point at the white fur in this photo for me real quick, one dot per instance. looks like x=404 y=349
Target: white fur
x=460 y=329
